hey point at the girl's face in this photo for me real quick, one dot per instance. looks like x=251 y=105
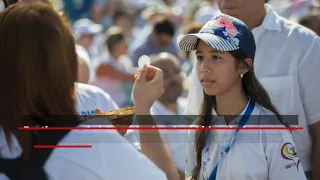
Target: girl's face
x=218 y=71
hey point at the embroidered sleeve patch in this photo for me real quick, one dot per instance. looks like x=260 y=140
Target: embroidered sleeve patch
x=288 y=152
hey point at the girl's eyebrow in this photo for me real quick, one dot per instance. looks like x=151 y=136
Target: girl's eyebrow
x=212 y=51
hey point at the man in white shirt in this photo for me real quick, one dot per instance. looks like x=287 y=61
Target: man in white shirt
x=287 y=57
x=169 y=103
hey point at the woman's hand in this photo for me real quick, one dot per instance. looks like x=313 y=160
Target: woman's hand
x=147 y=90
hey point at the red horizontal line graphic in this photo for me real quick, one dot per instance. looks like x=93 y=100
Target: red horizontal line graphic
x=59 y=146
x=157 y=128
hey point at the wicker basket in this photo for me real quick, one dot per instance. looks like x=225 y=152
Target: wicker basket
x=119 y=117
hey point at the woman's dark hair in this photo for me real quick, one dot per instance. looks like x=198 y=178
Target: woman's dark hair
x=252 y=88
x=38 y=70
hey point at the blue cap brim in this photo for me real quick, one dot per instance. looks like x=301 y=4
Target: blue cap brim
x=189 y=42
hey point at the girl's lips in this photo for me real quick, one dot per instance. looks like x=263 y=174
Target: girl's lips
x=207 y=82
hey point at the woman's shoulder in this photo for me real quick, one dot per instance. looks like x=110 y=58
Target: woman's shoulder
x=110 y=156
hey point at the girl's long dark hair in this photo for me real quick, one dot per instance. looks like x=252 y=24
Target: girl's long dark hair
x=252 y=88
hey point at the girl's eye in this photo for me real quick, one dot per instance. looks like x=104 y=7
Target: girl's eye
x=199 y=58
x=215 y=57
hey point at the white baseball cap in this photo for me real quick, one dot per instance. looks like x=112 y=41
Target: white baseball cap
x=86 y=26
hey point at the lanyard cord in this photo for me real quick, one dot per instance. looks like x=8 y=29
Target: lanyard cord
x=242 y=122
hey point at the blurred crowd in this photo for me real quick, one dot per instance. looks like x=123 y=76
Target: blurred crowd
x=112 y=35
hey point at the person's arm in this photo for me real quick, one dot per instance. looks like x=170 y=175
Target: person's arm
x=152 y=145
x=308 y=71
x=282 y=158
x=106 y=70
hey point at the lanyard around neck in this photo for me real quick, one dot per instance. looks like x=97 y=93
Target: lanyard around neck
x=244 y=119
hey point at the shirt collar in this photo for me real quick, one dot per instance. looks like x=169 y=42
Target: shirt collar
x=220 y=119
x=271 y=20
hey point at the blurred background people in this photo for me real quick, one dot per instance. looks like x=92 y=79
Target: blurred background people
x=114 y=74
x=146 y=19
x=160 y=39
x=126 y=21
x=78 y=9
x=85 y=31
x=89 y=97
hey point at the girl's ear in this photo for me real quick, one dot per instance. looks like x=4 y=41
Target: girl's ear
x=245 y=66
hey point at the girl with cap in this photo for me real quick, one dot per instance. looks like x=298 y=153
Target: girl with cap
x=232 y=96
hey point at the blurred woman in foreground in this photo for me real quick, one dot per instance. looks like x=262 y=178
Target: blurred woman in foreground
x=38 y=72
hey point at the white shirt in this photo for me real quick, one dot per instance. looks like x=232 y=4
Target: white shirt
x=89 y=97
x=291 y=9
x=176 y=141
x=114 y=87
x=254 y=155
x=286 y=63
x=110 y=157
